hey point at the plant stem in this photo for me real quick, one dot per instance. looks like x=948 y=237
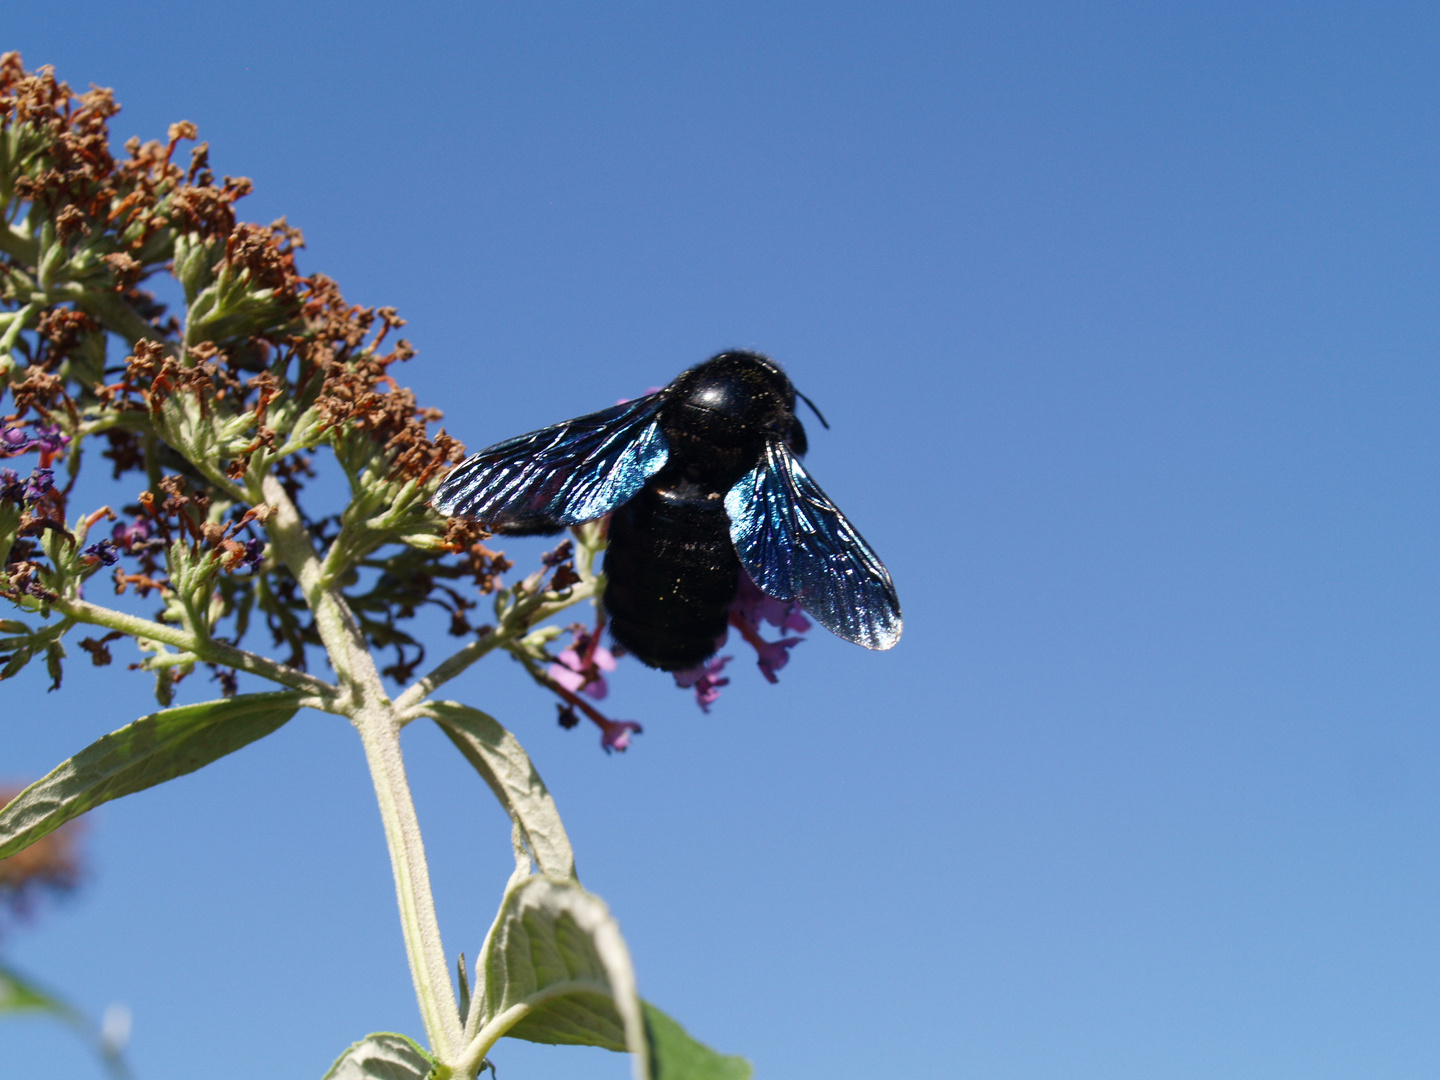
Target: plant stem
x=213 y=651
x=497 y=1026
x=516 y=621
x=445 y=671
x=18 y=245
x=380 y=736
x=375 y=718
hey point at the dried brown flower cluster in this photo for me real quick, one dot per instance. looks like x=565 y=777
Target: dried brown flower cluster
x=131 y=211
x=265 y=366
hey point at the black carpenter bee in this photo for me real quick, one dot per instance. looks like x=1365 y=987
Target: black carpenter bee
x=703 y=478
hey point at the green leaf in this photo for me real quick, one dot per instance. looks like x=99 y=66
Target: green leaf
x=464 y=1001
x=19 y=995
x=674 y=1055
x=382 y=1056
x=25 y=644
x=153 y=749
x=503 y=764
x=54 y=654
x=556 y=970
x=17 y=661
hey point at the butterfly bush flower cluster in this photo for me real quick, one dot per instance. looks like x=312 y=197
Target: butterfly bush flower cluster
x=26 y=490
x=15 y=440
x=581 y=668
x=206 y=427
x=750 y=609
x=48 y=439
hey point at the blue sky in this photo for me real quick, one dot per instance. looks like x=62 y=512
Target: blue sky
x=1125 y=321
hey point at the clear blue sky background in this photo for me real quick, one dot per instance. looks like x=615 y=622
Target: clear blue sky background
x=1124 y=316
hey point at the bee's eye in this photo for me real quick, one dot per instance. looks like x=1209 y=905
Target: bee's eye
x=796 y=440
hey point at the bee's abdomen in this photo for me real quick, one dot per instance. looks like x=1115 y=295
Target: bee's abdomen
x=672 y=573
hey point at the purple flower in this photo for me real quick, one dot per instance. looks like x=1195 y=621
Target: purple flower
x=254 y=552
x=104 y=552
x=575 y=675
x=40 y=484
x=570 y=679
x=31 y=490
x=127 y=536
x=774 y=655
x=51 y=440
x=750 y=608
x=13 y=441
x=703 y=680
x=755 y=607
x=616 y=734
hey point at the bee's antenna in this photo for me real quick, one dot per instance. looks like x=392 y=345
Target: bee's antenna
x=823 y=422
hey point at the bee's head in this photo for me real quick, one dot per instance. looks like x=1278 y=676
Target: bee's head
x=734 y=399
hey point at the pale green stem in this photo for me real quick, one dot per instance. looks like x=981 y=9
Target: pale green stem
x=19 y=245
x=497 y=1026
x=445 y=671
x=172 y=660
x=374 y=717
x=516 y=621
x=17 y=323
x=223 y=482
x=213 y=651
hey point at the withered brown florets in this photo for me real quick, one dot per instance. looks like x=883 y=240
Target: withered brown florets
x=62 y=327
x=279 y=338
x=70 y=222
x=38 y=391
x=266 y=254
x=99 y=649
x=152 y=375
x=461 y=532
x=77 y=156
x=486 y=567
x=209 y=211
x=356 y=389
x=126 y=268
x=185 y=509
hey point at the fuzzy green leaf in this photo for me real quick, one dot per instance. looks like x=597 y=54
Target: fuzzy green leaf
x=153 y=749
x=503 y=764
x=382 y=1056
x=556 y=969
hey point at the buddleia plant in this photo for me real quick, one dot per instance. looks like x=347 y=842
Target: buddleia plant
x=208 y=419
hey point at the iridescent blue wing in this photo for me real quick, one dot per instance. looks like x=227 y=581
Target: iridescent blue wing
x=796 y=545
x=562 y=475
